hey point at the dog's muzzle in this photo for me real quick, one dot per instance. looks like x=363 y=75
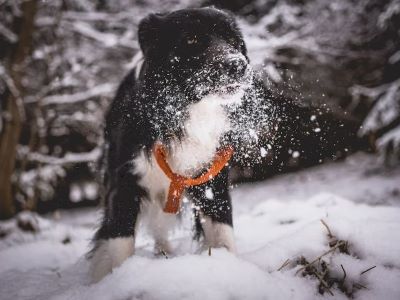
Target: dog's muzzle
x=235 y=65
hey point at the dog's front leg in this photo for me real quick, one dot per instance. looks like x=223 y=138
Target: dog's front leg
x=214 y=219
x=115 y=240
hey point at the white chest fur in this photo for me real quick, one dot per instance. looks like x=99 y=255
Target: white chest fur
x=206 y=123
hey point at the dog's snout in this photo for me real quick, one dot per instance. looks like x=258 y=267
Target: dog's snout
x=235 y=65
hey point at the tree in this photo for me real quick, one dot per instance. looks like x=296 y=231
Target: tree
x=13 y=108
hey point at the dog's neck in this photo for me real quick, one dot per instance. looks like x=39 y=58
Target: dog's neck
x=207 y=122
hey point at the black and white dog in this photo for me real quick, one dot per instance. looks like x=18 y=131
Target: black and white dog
x=195 y=93
x=194 y=65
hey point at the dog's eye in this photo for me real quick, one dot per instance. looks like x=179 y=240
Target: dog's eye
x=232 y=41
x=191 y=40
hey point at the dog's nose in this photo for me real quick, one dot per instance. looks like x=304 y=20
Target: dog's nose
x=235 y=65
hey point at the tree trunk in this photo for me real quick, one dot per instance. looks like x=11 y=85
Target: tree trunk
x=9 y=137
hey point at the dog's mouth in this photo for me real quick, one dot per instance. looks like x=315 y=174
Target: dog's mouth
x=214 y=80
x=224 y=87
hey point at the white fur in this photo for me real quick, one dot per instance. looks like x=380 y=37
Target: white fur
x=158 y=223
x=152 y=216
x=109 y=255
x=218 y=235
x=206 y=123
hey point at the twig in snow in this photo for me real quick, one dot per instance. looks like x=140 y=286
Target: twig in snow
x=323 y=282
x=344 y=274
x=367 y=270
x=209 y=251
x=319 y=269
x=333 y=240
x=164 y=253
x=359 y=286
x=339 y=244
x=284 y=264
x=327 y=228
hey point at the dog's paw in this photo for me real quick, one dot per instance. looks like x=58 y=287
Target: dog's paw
x=163 y=248
x=218 y=235
x=109 y=254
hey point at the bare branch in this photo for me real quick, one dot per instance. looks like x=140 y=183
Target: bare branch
x=107 y=39
x=97 y=16
x=104 y=89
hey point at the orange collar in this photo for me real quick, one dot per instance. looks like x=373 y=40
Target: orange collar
x=179 y=183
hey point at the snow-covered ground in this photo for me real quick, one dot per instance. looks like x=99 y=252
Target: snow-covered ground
x=275 y=221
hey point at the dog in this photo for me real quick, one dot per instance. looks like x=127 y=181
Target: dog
x=194 y=63
x=195 y=93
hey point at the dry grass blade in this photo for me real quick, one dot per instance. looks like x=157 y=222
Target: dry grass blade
x=323 y=282
x=367 y=270
x=329 y=278
x=360 y=286
x=284 y=264
x=330 y=235
x=344 y=274
x=339 y=244
x=164 y=253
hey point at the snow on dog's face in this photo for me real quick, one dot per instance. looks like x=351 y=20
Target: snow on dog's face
x=198 y=51
x=193 y=56
x=190 y=55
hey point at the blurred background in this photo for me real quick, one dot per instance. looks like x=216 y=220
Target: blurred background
x=62 y=60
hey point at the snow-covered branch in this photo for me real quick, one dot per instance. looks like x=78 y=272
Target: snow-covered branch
x=68 y=158
x=97 y=16
x=8 y=34
x=383 y=120
x=104 y=89
x=386 y=108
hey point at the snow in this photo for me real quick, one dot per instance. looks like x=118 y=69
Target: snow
x=275 y=220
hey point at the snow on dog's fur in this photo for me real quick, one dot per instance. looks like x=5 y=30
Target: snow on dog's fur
x=193 y=73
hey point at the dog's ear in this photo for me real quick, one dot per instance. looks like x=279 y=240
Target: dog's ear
x=150 y=32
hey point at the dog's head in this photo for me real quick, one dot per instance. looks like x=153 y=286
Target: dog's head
x=199 y=50
x=197 y=56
